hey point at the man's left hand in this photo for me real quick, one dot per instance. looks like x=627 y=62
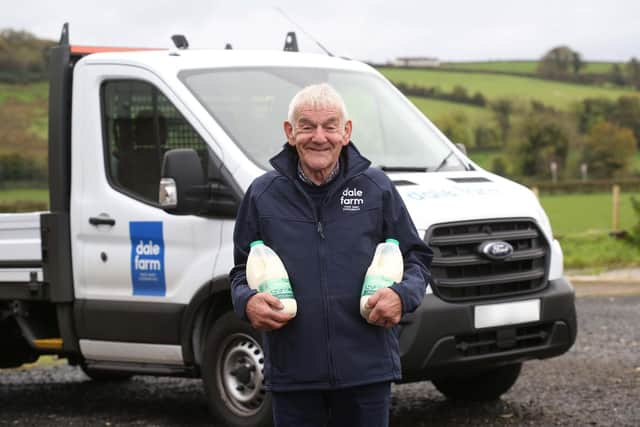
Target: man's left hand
x=385 y=308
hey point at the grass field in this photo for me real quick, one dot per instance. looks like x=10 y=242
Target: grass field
x=582 y=213
x=23 y=119
x=26 y=194
x=435 y=109
x=484 y=158
x=556 y=94
x=524 y=66
x=598 y=251
x=24 y=92
x=582 y=223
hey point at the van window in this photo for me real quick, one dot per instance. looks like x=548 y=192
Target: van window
x=251 y=103
x=140 y=125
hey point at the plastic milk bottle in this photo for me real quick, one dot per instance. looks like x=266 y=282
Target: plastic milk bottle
x=386 y=269
x=266 y=273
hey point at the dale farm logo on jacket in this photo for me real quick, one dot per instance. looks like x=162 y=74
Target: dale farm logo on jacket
x=352 y=199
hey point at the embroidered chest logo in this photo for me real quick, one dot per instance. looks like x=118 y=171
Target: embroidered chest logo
x=352 y=199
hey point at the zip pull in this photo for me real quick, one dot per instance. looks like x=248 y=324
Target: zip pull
x=320 y=230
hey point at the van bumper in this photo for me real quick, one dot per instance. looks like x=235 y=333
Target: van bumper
x=439 y=338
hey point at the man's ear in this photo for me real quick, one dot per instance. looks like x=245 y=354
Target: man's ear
x=348 y=127
x=288 y=132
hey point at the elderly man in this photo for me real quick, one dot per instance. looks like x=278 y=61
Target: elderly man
x=323 y=210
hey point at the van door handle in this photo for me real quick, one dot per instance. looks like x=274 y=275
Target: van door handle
x=100 y=220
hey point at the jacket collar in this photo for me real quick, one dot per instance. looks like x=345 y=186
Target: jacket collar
x=286 y=161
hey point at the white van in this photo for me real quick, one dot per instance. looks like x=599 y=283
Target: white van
x=121 y=281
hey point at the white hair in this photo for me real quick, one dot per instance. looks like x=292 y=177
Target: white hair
x=317 y=96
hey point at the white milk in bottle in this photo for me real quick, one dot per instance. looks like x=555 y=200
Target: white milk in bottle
x=266 y=273
x=386 y=269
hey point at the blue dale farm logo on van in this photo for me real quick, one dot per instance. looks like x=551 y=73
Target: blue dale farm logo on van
x=147 y=258
x=352 y=199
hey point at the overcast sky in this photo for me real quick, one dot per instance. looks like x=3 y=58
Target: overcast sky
x=377 y=30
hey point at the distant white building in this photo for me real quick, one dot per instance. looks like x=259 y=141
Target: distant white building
x=416 y=61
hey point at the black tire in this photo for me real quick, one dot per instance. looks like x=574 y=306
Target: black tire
x=233 y=374
x=485 y=386
x=104 y=375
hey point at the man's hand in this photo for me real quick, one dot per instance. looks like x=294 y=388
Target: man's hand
x=262 y=311
x=385 y=308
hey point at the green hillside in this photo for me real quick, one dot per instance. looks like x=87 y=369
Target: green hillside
x=524 y=66
x=556 y=94
x=23 y=119
x=24 y=92
x=435 y=109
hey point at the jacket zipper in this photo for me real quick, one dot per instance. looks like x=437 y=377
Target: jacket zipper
x=323 y=284
x=325 y=289
x=323 y=275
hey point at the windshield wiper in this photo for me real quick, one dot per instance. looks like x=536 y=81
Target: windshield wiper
x=403 y=168
x=444 y=161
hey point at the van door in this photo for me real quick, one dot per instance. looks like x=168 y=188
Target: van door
x=135 y=266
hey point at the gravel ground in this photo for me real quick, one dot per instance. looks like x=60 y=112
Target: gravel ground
x=596 y=383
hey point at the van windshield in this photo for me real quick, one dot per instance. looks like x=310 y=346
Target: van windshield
x=251 y=104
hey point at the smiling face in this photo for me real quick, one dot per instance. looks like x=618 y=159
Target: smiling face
x=318 y=136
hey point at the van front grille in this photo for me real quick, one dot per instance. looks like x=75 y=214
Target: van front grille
x=461 y=272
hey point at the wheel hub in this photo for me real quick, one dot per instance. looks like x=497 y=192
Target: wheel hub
x=242 y=369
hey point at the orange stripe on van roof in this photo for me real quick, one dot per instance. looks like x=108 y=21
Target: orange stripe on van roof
x=85 y=50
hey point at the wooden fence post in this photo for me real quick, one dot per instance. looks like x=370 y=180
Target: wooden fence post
x=616 y=206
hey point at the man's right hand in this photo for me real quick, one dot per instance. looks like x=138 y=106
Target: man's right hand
x=262 y=311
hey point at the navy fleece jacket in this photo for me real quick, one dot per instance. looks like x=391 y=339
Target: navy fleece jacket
x=326 y=252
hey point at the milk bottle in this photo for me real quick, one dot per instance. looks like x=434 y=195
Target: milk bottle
x=266 y=273
x=386 y=269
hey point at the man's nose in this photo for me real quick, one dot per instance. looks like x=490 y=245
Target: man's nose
x=319 y=134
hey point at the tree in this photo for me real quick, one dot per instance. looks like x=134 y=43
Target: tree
x=591 y=111
x=502 y=110
x=499 y=166
x=627 y=114
x=22 y=55
x=560 y=62
x=539 y=139
x=487 y=137
x=633 y=72
x=479 y=99
x=609 y=150
x=616 y=76
x=576 y=63
x=459 y=94
x=457 y=128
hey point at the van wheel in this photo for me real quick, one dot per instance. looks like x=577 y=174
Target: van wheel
x=233 y=374
x=484 y=386
x=104 y=375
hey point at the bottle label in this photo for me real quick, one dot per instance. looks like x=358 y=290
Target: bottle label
x=279 y=288
x=373 y=283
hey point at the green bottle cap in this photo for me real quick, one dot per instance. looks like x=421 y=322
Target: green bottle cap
x=256 y=243
x=394 y=241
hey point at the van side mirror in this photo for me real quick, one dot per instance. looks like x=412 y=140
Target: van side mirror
x=184 y=189
x=182 y=181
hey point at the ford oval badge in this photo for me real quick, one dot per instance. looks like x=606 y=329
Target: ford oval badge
x=496 y=250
